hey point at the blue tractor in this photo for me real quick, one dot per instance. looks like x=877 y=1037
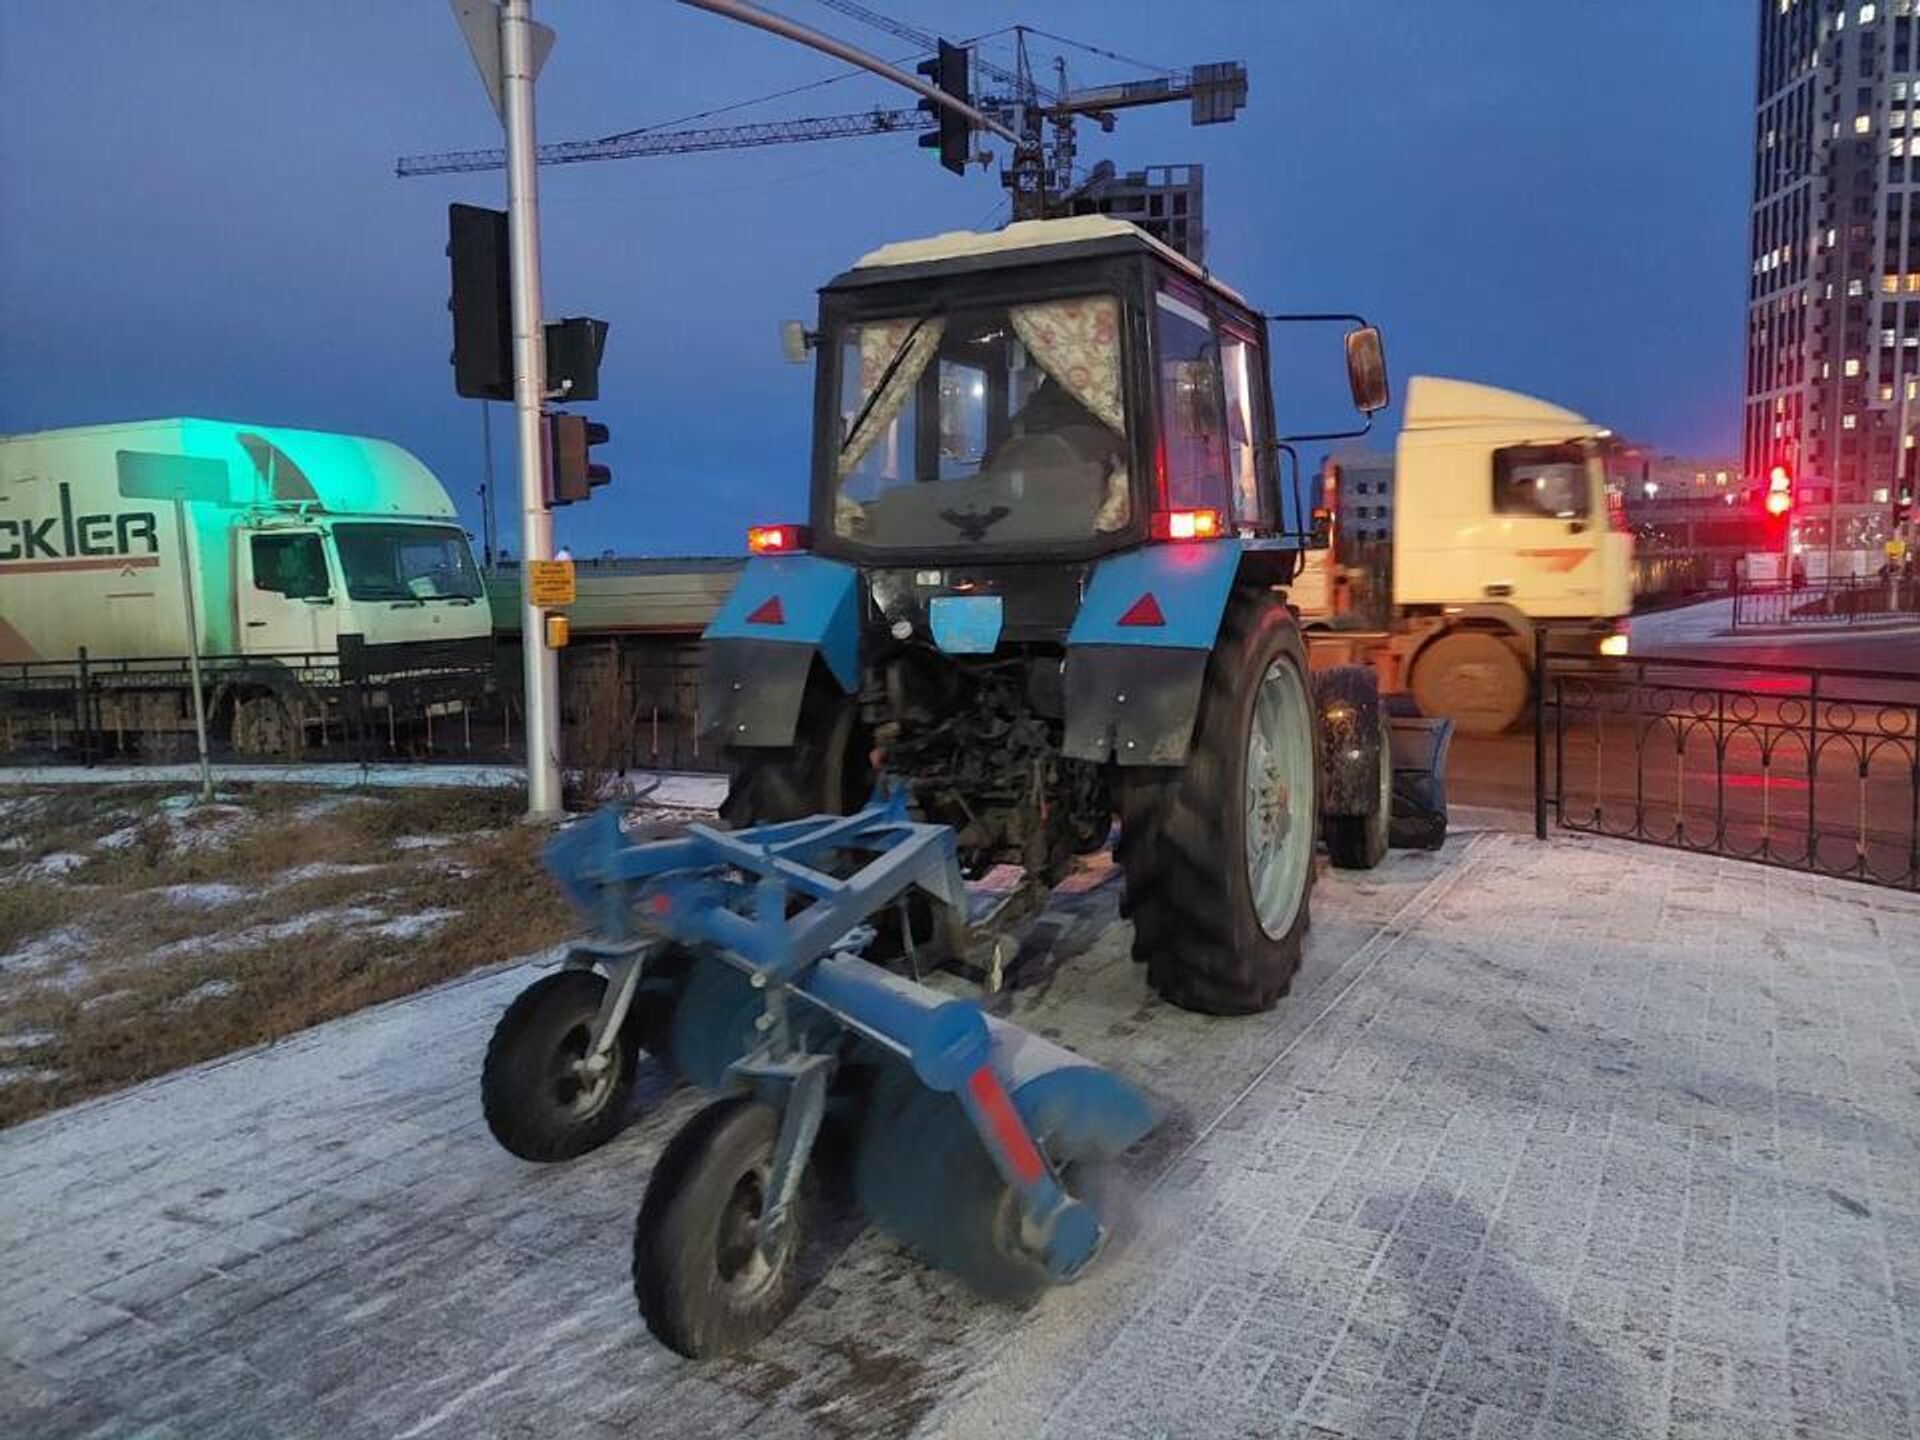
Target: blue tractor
x=1043 y=586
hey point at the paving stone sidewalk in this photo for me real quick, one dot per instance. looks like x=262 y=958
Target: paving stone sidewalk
x=1578 y=1139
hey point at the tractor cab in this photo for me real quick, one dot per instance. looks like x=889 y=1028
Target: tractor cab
x=1054 y=391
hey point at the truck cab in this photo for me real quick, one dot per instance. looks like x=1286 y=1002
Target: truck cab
x=1497 y=515
x=1507 y=501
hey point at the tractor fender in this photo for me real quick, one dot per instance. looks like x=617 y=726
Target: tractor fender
x=784 y=611
x=1138 y=649
x=1347 y=698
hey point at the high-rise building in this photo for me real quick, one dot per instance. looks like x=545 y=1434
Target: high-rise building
x=1833 y=312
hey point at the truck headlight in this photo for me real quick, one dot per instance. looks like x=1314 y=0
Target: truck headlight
x=1615 y=644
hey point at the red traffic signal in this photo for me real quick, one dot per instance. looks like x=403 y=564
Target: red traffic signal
x=1779 y=491
x=572 y=473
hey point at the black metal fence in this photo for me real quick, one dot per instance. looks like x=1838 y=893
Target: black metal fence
x=343 y=704
x=1841 y=600
x=1815 y=770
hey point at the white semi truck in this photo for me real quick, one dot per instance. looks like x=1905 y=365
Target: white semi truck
x=1497 y=514
x=333 y=585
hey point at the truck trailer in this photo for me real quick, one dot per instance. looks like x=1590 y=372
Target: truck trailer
x=332 y=585
x=1498 y=515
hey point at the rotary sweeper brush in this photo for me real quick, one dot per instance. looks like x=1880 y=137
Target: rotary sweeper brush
x=735 y=953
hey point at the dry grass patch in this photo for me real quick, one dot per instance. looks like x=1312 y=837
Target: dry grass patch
x=295 y=909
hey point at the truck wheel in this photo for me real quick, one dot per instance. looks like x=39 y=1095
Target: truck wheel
x=819 y=774
x=538 y=1104
x=702 y=1284
x=1218 y=853
x=1473 y=678
x=263 y=725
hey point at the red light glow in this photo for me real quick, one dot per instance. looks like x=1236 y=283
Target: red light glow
x=1188 y=525
x=779 y=539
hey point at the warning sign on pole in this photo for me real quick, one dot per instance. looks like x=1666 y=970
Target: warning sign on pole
x=550 y=582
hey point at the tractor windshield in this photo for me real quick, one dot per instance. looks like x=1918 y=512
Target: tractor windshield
x=992 y=426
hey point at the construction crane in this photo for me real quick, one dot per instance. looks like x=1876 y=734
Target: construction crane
x=634 y=144
x=1039 y=175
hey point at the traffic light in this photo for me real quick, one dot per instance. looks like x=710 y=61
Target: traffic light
x=481 y=302
x=571 y=472
x=1779 y=491
x=954 y=137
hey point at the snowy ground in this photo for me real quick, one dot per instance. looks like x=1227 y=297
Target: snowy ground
x=1570 y=1140
x=140 y=931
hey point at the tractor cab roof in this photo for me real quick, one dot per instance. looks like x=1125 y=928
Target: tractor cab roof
x=1025 y=242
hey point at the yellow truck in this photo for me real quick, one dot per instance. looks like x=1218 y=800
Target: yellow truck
x=1498 y=513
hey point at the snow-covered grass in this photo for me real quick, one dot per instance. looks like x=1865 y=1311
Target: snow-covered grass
x=140 y=932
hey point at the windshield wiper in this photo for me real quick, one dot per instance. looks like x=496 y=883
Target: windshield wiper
x=886 y=376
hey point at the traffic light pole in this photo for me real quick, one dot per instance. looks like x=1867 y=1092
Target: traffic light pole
x=542 y=665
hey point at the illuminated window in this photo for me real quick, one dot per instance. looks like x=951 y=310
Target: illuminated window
x=1913 y=393
x=1862 y=124
x=1847 y=422
x=1851 y=368
x=1887 y=337
x=1829 y=239
x=1867 y=12
x=1897 y=147
x=1720 y=477
x=1880 y=495
x=1856 y=288
x=1889 y=284
x=1886 y=386
x=1898 y=120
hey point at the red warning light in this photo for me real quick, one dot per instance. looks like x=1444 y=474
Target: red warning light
x=1779 y=491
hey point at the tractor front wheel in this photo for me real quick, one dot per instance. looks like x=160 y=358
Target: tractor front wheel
x=1218 y=853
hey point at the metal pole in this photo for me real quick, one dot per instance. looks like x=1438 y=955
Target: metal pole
x=193 y=651
x=840 y=50
x=489 y=528
x=529 y=393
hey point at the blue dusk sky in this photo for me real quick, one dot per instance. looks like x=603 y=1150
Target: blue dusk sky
x=199 y=215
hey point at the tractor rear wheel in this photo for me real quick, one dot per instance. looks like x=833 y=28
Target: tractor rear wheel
x=1218 y=853
x=823 y=772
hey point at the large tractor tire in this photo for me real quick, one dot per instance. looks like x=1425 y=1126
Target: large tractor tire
x=1473 y=678
x=1218 y=853
x=824 y=771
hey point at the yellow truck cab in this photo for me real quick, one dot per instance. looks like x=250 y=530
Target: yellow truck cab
x=1505 y=513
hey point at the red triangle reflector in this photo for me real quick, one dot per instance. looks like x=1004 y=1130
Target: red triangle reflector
x=770 y=612
x=1144 y=611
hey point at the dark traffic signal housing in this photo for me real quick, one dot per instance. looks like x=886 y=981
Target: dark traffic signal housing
x=571 y=472
x=482 y=303
x=954 y=138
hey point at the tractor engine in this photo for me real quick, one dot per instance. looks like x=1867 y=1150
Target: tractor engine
x=979 y=741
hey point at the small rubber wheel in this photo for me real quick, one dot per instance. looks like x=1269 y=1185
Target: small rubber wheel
x=1473 y=678
x=703 y=1286
x=539 y=1103
x=1359 y=842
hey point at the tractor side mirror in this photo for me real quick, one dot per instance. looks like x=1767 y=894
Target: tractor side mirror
x=796 y=340
x=1367 y=370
